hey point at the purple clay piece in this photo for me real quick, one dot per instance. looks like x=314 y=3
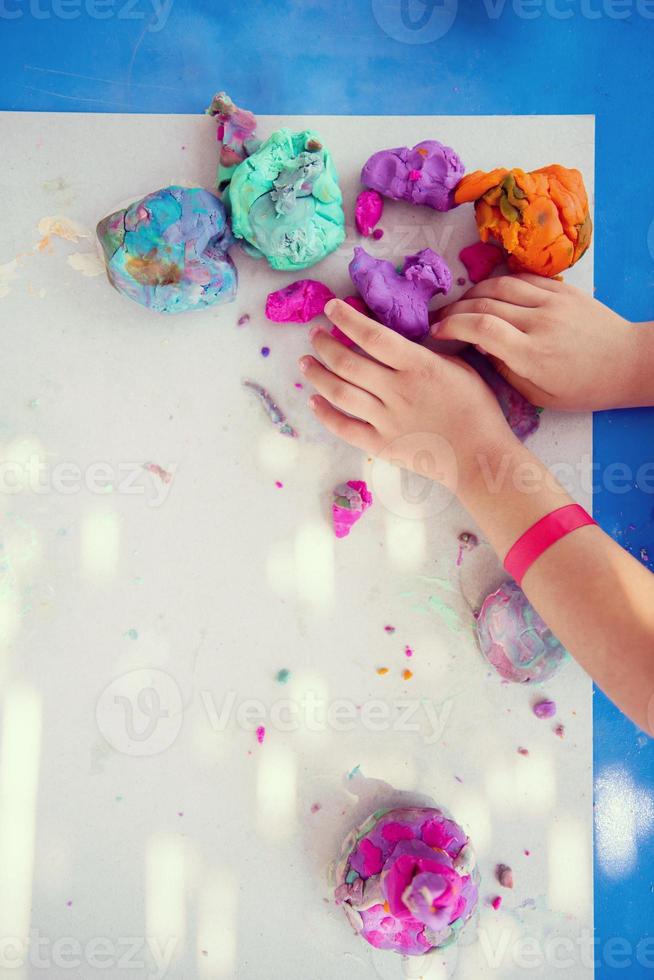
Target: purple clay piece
x=273 y=411
x=367 y=211
x=544 y=709
x=426 y=174
x=400 y=299
x=522 y=416
x=514 y=639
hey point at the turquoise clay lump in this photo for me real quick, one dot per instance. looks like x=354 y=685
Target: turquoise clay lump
x=285 y=202
x=168 y=251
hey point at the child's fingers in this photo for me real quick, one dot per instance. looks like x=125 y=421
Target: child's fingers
x=374 y=338
x=490 y=333
x=359 y=434
x=518 y=316
x=508 y=289
x=537 y=396
x=341 y=393
x=347 y=364
x=541 y=282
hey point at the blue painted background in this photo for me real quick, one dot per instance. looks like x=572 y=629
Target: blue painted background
x=413 y=56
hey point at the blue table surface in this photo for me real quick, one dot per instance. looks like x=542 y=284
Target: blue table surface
x=419 y=57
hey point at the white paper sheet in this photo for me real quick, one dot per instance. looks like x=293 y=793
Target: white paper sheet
x=142 y=624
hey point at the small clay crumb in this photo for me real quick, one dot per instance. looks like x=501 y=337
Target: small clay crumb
x=378 y=233
x=522 y=751
x=544 y=708
x=389 y=629
x=496 y=902
x=504 y=875
x=461 y=281
x=560 y=731
x=242 y=320
x=408 y=652
x=407 y=674
x=315 y=807
x=382 y=670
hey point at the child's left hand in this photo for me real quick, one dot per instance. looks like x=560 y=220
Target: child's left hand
x=423 y=411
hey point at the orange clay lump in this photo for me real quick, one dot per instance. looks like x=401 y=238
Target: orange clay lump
x=541 y=218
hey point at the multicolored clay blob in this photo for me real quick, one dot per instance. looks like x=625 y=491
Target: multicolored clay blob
x=273 y=411
x=400 y=299
x=514 y=639
x=407 y=880
x=541 y=218
x=236 y=129
x=368 y=210
x=298 y=302
x=350 y=502
x=168 y=251
x=522 y=416
x=285 y=201
x=480 y=259
x=426 y=174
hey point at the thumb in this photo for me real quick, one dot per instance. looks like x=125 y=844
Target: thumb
x=493 y=335
x=527 y=388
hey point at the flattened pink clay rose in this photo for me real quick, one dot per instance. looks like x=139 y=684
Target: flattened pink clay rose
x=407 y=880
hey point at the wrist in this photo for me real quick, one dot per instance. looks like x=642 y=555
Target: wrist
x=508 y=492
x=639 y=391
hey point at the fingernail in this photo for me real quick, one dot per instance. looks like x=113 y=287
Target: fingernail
x=303 y=364
x=313 y=403
x=329 y=306
x=314 y=332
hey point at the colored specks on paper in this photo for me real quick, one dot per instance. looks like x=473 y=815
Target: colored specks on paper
x=560 y=731
x=283 y=676
x=159 y=471
x=354 y=772
x=522 y=751
x=265 y=351
x=382 y=671
x=389 y=629
x=407 y=675
x=132 y=634
x=315 y=807
x=378 y=233
x=408 y=652
x=496 y=902
x=461 y=281
x=243 y=319
x=69 y=903
x=299 y=385
x=279 y=484
x=261 y=734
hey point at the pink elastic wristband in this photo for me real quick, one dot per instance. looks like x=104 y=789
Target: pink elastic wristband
x=545 y=532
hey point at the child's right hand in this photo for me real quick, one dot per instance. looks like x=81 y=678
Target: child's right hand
x=557 y=346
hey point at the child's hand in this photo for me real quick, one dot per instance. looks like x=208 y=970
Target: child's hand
x=552 y=342
x=419 y=410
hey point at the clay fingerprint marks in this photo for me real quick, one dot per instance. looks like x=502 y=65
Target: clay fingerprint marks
x=168 y=251
x=400 y=300
x=514 y=639
x=407 y=880
x=541 y=219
